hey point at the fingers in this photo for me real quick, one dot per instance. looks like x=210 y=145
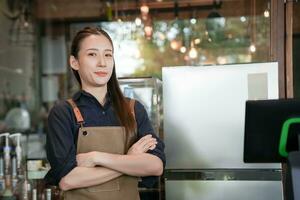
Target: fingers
x=143 y=145
x=152 y=147
x=145 y=138
x=148 y=143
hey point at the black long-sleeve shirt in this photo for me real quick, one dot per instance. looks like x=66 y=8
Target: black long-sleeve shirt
x=63 y=132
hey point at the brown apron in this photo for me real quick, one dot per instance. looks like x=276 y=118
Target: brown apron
x=110 y=139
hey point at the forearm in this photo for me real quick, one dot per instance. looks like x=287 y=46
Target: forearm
x=81 y=177
x=143 y=164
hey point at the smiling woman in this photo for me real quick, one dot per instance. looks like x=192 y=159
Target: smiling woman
x=100 y=142
x=94 y=62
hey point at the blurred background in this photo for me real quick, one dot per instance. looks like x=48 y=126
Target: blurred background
x=35 y=39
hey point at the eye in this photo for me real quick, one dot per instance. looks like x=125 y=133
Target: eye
x=92 y=54
x=108 y=55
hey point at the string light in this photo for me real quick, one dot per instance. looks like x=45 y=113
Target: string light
x=148 y=31
x=175 y=45
x=138 y=21
x=267 y=13
x=193 y=53
x=144 y=9
x=193 y=21
x=197 y=41
x=183 y=49
x=252 y=48
x=243 y=19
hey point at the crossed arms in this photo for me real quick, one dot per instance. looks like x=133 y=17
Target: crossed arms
x=96 y=167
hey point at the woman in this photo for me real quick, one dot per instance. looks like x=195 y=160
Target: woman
x=99 y=142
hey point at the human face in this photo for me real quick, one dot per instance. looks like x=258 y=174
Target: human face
x=94 y=62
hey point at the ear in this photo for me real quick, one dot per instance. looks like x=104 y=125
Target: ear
x=74 y=63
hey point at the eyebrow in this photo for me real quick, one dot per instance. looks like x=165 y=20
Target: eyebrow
x=94 y=49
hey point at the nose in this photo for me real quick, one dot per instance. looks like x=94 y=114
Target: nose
x=101 y=62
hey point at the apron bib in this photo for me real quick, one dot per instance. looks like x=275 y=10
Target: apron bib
x=110 y=139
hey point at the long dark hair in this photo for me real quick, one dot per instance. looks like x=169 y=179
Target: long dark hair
x=120 y=104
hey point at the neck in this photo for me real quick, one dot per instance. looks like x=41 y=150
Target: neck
x=98 y=92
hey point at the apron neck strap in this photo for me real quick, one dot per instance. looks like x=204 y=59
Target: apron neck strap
x=76 y=111
x=79 y=117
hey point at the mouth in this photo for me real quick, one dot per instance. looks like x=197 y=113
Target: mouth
x=101 y=74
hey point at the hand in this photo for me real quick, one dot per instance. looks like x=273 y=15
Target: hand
x=86 y=159
x=143 y=145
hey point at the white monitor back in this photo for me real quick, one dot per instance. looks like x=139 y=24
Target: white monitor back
x=204 y=113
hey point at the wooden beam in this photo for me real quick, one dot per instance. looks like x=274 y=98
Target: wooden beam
x=278 y=42
x=69 y=9
x=296 y=16
x=78 y=10
x=289 y=50
x=125 y=6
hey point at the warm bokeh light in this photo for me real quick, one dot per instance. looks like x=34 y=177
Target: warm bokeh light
x=252 y=48
x=144 y=9
x=267 y=13
x=175 y=45
x=183 y=49
x=193 y=53
x=138 y=21
x=148 y=31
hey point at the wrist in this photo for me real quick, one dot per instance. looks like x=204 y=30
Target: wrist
x=107 y=159
x=95 y=157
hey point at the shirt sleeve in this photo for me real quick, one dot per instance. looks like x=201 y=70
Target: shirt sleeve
x=144 y=127
x=60 y=146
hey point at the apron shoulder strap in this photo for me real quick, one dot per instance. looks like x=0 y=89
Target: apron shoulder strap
x=76 y=111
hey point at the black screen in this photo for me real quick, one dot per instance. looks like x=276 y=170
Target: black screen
x=263 y=124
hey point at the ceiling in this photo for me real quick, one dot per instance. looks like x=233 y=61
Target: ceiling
x=166 y=9
x=103 y=10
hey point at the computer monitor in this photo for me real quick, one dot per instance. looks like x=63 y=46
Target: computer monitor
x=263 y=124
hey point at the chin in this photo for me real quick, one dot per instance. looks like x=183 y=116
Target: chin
x=101 y=82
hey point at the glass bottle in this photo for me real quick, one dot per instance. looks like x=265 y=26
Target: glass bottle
x=7 y=193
